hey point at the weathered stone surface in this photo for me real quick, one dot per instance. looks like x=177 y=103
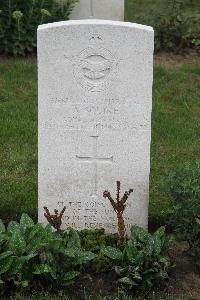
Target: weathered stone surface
x=95 y=97
x=99 y=9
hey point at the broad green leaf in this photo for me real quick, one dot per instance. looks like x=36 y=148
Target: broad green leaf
x=2 y=226
x=5 y=254
x=83 y=257
x=121 y=270
x=131 y=251
x=17 y=265
x=17 y=243
x=12 y=226
x=157 y=245
x=5 y=264
x=47 y=233
x=163 y=274
x=23 y=283
x=34 y=237
x=55 y=244
x=31 y=255
x=42 y=268
x=36 y=230
x=139 y=234
x=71 y=275
x=37 y=238
x=25 y=222
x=148 y=271
x=160 y=232
x=74 y=241
x=179 y=18
x=4 y=236
x=34 y=243
x=198 y=221
x=78 y=256
x=40 y=246
x=112 y=252
x=127 y=281
x=70 y=252
x=165 y=261
x=154 y=245
x=46 y=257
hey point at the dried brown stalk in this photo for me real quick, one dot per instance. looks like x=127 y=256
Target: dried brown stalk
x=119 y=207
x=56 y=219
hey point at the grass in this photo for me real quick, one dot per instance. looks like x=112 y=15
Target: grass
x=135 y=7
x=18 y=138
x=175 y=133
x=175 y=127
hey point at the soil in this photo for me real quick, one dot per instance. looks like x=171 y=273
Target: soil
x=171 y=59
x=184 y=279
x=95 y=284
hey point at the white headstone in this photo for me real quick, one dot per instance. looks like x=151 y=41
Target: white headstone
x=95 y=98
x=99 y=9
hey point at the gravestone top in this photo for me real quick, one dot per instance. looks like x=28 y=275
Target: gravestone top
x=95 y=99
x=99 y=9
x=94 y=22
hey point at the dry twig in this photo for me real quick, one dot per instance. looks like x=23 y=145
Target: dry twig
x=119 y=207
x=56 y=219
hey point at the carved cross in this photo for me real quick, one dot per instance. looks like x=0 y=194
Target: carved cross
x=95 y=159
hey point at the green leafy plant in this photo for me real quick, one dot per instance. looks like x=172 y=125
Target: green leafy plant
x=95 y=240
x=142 y=262
x=19 y=21
x=33 y=255
x=184 y=187
x=175 y=27
x=31 y=252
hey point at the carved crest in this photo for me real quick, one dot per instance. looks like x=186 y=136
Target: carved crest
x=94 y=67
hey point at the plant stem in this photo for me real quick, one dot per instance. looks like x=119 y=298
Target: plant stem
x=121 y=228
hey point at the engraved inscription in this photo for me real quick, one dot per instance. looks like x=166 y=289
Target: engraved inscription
x=87 y=215
x=93 y=68
x=95 y=160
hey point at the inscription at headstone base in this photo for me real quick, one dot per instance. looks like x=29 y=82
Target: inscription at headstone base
x=95 y=98
x=98 y=9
